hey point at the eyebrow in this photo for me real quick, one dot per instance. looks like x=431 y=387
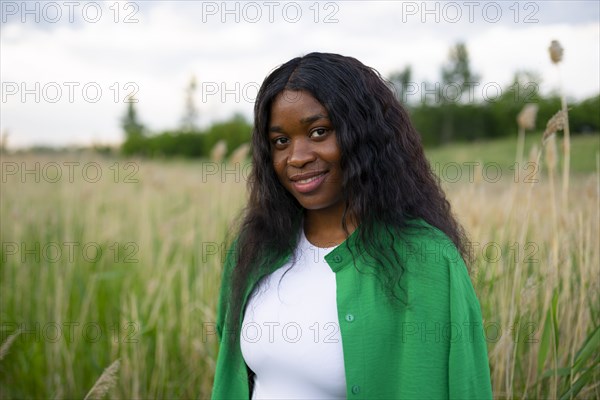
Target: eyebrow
x=313 y=118
x=304 y=121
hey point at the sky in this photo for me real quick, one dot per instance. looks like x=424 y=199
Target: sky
x=67 y=68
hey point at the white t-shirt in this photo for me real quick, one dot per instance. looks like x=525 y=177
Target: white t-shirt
x=290 y=333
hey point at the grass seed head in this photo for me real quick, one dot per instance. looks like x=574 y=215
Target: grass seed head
x=526 y=118
x=240 y=154
x=556 y=52
x=8 y=343
x=105 y=383
x=555 y=124
x=217 y=154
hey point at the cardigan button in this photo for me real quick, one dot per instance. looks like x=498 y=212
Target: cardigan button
x=355 y=389
x=349 y=317
x=337 y=259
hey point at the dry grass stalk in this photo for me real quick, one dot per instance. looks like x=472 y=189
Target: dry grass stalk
x=556 y=55
x=533 y=153
x=566 y=151
x=217 y=154
x=107 y=381
x=555 y=124
x=551 y=155
x=6 y=345
x=528 y=290
x=551 y=160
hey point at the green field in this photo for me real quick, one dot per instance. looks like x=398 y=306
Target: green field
x=502 y=152
x=109 y=258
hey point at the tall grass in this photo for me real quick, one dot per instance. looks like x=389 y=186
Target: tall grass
x=537 y=281
x=149 y=300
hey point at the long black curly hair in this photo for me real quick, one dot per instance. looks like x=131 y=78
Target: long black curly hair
x=386 y=178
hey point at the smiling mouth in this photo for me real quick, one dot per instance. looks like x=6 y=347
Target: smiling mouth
x=313 y=178
x=309 y=184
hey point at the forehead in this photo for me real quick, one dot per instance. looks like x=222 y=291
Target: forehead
x=295 y=103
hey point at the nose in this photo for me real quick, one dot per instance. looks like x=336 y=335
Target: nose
x=301 y=153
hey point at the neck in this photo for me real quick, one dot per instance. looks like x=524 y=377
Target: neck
x=323 y=228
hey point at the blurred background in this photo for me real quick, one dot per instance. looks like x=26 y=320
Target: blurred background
x=124 y=152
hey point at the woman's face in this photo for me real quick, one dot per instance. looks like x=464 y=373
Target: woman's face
x=306 y=156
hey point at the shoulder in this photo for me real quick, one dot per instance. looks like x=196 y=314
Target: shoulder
x=435 y=271
x=423 y=245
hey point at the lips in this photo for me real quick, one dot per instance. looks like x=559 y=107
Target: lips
x=305 y=183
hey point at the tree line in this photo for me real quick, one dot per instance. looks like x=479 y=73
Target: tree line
x=457 y=108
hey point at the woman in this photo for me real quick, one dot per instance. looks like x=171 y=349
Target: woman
x=346 y=278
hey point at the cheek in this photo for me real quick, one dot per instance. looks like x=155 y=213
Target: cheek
x=332 y=152
x=279 y=168
x=279 y=159
x=335 y=160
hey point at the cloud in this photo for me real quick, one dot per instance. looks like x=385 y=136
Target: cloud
x=170 y=42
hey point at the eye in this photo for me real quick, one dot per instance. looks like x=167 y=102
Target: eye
x=319 y=132
x=280 y=141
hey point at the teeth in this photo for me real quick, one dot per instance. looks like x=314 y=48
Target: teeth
x=310 y=179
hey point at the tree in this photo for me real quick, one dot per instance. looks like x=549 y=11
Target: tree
x=135 y=140
x=190 y=115
x=401 y=80
x=457 y=79
x=130 y=124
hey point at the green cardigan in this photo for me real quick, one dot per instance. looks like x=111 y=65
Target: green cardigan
x=433 y=347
